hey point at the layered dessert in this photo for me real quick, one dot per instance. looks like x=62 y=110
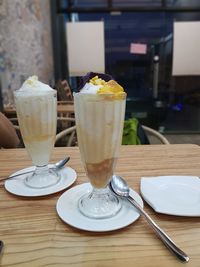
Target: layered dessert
x=36 y=107
x=99 y=112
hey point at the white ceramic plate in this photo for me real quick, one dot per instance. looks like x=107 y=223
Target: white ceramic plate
x=173 y=195
x=67 y=209
x=17 y=186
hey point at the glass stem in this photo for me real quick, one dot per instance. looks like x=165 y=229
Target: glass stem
x=97 y=192
x=40 y=170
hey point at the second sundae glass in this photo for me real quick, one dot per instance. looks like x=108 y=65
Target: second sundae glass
x=99 y=121
x=36 y=106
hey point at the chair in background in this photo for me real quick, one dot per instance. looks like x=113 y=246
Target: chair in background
x=136 y=134
x=65 y=102
x=160 y=137
x=67 y=136
x=72 y=139
x=64 y=92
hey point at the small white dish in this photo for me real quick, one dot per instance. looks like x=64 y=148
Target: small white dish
x=173 y=195
x=67 y=209
x=17 y=186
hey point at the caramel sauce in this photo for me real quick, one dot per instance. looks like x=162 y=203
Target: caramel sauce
x=100 y=173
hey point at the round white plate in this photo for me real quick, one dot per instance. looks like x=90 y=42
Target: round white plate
x=173 y=195
x=17 y=186
x=67 y=209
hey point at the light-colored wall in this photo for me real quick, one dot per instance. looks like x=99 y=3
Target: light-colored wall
x=25 y=44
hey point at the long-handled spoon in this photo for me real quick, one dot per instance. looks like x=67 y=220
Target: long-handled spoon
x=120 y=188
x=57 y=166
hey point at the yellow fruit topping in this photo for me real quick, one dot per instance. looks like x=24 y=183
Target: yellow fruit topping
x=97 y=81
x=111 y=88
x=31 y=80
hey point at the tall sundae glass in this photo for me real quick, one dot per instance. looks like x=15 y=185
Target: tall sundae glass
x=99 y=114
x=36 y=106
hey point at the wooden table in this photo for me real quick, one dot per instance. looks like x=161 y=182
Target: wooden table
x=9 y=112
x=65 y=109
x=61 y=108
x=35 y=236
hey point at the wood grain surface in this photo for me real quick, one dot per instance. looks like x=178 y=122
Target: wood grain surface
x=61 y=108
x=34 y=235
x=65 y=108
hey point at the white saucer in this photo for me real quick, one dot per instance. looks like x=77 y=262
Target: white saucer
x=17 y=186
x=173 y=195
x=67 y=209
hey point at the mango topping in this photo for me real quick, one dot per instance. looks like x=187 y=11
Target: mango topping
x=111 y=88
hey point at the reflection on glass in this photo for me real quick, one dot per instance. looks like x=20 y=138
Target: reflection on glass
x=176 y=107
x=183 y=3
x=136 y=3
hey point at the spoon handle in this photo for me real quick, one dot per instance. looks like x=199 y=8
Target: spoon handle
x=160 y=233
x=22 y=173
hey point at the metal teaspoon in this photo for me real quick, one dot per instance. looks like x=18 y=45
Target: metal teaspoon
x=120 y=187
x=57 y=166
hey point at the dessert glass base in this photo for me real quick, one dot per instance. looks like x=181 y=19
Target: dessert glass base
x=42 y=177
x=99 y=204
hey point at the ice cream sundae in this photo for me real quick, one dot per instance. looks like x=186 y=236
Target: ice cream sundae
x=99 y=113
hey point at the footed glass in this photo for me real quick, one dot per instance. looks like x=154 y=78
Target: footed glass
x=99 y=121
x=37 y=117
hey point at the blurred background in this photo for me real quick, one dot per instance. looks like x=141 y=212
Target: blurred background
x=151 y=47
